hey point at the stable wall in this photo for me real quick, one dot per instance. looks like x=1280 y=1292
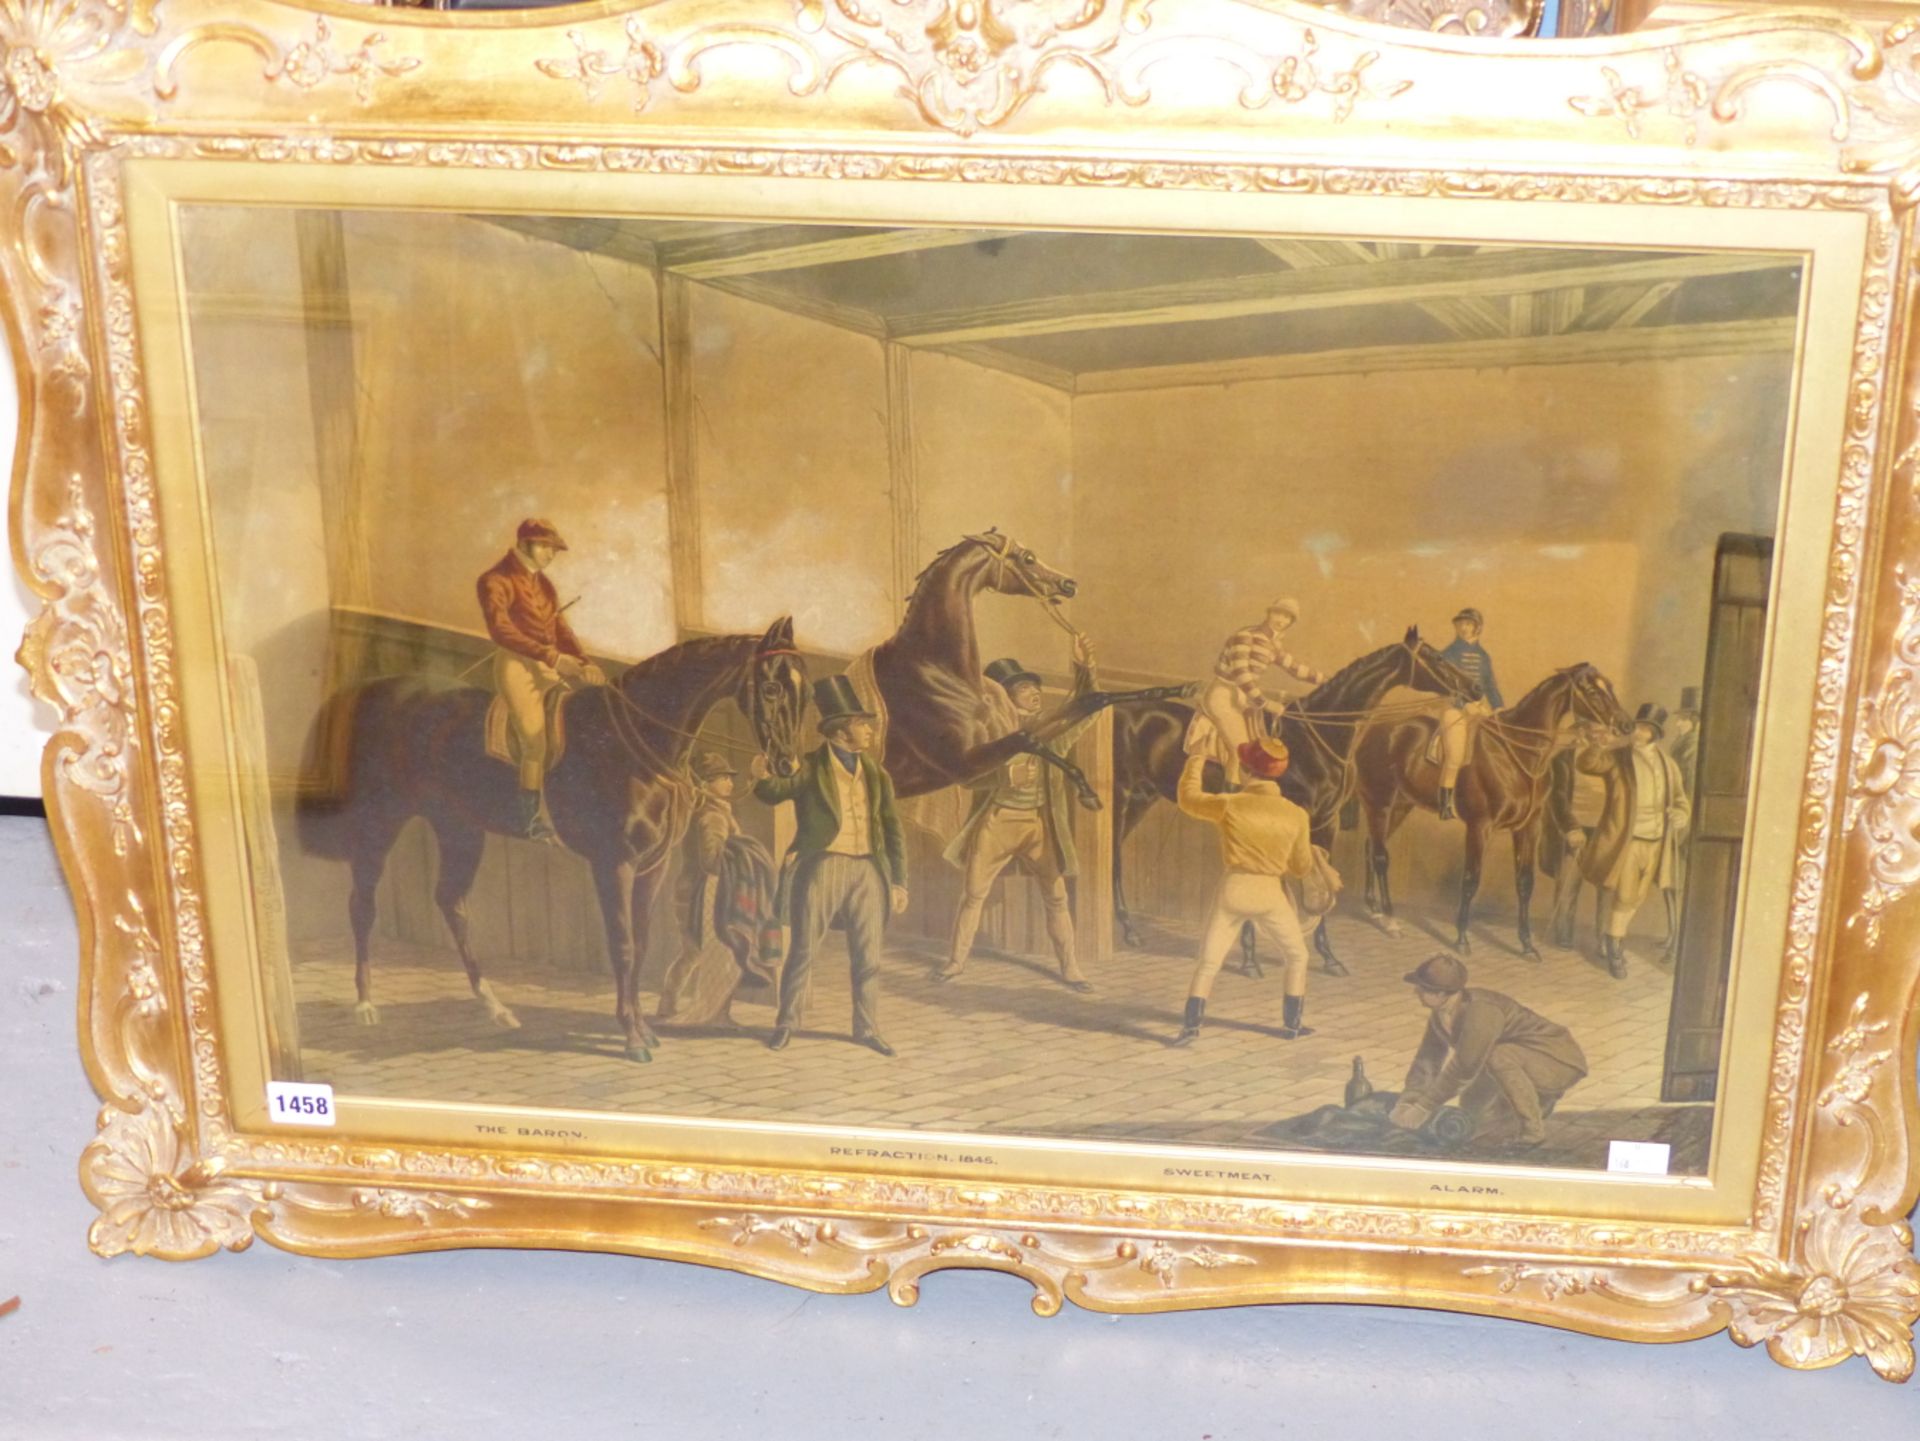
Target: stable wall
x=546 y=400
x=791 y=474
x=1577 y=506
x=795 y=462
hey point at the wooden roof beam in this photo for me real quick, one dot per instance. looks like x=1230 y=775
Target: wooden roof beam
x=1331 y=287
x=1666 y=342
x=765 y=250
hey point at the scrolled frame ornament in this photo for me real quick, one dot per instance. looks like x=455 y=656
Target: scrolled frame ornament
x=1806 y=113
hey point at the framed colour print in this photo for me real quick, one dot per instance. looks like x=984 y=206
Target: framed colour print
x=1207 y=652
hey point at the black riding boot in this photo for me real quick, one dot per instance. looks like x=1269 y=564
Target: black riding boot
x=1292 y=1010
x=1446 y=803
x=1190 y=1025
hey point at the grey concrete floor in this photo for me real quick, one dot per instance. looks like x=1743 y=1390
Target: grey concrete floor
x=477 y=1344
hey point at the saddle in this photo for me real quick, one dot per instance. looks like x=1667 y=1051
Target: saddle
x=503 y=745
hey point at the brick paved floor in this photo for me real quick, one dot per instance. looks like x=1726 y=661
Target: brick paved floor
x=1003 y=1050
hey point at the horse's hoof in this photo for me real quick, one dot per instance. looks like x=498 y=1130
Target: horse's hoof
x=1531 y=951
x=367 y=1013
x=1333 y=967
x=640 y=1054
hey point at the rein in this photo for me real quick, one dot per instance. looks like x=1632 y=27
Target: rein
x=636 y=744
x=1004 y=565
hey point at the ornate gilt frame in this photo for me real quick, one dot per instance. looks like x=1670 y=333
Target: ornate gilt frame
x=1774 y=113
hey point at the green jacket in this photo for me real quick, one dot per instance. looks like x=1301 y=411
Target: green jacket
x=816 y=810
x=1056 y=805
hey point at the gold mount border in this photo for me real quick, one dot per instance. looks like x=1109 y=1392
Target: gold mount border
x=1798 y=111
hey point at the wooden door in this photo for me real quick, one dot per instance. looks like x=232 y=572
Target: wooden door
x=1729 y=709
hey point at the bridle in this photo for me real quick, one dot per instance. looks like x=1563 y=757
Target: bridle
x=636 y=744
x=1000 y=547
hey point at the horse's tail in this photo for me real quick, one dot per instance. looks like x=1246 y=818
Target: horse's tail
x=324 y=810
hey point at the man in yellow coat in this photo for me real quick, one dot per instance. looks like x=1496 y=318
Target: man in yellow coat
x=1263 y=840
x=1643 y=818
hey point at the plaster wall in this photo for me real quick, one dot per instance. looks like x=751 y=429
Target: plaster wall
x=1577 y=506
x=543 y=400
x=992 y=449
x=791 y=474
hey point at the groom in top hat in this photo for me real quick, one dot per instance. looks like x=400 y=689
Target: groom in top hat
x=1022 y=814
x=1643 y=817
x=849 y=858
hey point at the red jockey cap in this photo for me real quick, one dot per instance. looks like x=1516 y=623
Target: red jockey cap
x=1265 y=758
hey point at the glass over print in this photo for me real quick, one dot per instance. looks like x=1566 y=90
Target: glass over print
x=1480 y=534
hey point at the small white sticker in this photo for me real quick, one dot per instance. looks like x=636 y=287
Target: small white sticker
x=1642 y=1158
x=291 y=1103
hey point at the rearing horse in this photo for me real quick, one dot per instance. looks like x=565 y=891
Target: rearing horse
x=1318 y=730
x=940 y=724
x=406 y=747
x=1504 y=787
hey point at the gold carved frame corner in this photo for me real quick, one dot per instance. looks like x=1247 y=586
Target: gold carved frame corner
x=1771 y=111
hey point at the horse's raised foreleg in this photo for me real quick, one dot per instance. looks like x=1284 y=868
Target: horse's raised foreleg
x=460 y=850
x=1470 y=883
x=1083 y=791
x=982 y=760
x=1070 y=712
x=613 y=884
x=1525 y=842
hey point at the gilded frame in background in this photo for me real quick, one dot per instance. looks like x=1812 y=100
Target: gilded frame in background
x=1767 y=118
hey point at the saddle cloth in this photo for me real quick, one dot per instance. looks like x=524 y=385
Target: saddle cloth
x=503 y=745
x=940 y=813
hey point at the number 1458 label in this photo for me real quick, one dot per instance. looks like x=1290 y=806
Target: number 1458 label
x=292 y=1103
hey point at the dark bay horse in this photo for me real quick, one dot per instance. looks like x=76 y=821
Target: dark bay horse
x=1504 y=786
x=940 y=724
x=405 y=747
x=1318 y=730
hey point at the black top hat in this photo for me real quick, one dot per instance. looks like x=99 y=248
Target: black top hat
x=1469 y=613
x=1653 y=717
x=1690 y=699
x=1010 y=673
x=834 y=696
